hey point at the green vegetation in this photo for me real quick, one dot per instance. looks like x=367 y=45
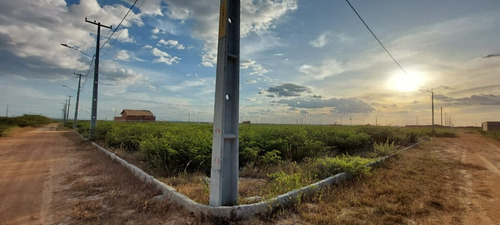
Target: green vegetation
x=171 y=148
x=22 y=121
x=495 y=134
x=278 y=158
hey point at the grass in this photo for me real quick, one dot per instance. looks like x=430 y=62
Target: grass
x=103 y=192
x=494 y=134
x=411 y=188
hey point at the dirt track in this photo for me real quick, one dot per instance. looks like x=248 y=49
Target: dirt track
x=42 y=171
x=30 y=163
x=482 y=175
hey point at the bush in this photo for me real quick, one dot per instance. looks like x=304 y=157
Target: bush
x=384 y=148
x=326 y=167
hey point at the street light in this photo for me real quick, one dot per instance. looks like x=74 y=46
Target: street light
x=65 y=45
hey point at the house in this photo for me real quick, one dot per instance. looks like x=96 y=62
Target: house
x=490 y=125
x=132 y=115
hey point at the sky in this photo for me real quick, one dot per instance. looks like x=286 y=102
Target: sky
x=301 y=61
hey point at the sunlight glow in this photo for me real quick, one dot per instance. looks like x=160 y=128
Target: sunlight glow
x=408 y=82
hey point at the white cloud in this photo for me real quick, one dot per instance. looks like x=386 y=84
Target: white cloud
x=152 y=8
x=123 y=36
x=325 y=69
x=257 y=16
x=155 y=30
x=171 y=44
x=164 y=57
x=256 y=68
x=123 y=55
x=321 y=40
x=148 y=47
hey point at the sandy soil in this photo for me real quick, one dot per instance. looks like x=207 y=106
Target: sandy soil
x=482 y=175
x=46 y=178
x=30 y=164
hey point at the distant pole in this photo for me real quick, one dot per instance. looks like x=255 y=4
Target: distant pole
x=340 y=120
x=350 y=120
x=432 y=96
x=93 y=118
x=445 y=119
x=376 y=121
x=67 y=112
x=77 y=99
x=441 y=115
x=7 y=111
x=225 y=145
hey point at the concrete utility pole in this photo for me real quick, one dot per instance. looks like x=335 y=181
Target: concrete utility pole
x=67 y=111
x=7 y=111
x=432 y=96
x=65 y=114
x=225 y=165
x=441 y=115
x=93 y=117
x=77 y=98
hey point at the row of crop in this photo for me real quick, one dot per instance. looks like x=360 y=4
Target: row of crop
x=176 y=147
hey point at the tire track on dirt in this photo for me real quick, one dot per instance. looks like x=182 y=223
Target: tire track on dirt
x=25 y=182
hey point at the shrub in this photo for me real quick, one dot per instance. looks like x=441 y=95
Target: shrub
x=384 y=148
x=325 y=167
x=282 y=182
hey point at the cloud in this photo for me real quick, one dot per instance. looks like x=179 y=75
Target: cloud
x=256 y=68
x=164 y=57
x=123 y=55
x=152 y=8
x=257 y=16
x=483 y=99
x=29 y=31
x=155 y=30
x=321 y=40
x=286 y=90
x=323 y=70
x=117 y=77
x=171 y=44
x=123 y=36
x=491 y=55
x=251 y=81
x=337 y=105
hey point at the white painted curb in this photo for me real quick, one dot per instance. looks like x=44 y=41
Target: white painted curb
x=238 y=211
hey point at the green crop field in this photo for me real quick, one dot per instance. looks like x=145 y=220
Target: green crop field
x=179 y=147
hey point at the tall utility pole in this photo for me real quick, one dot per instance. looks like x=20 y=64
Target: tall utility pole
x=7 y=111
x=93 y=119
x=67 y=111
x=77 y=99
x=225 y=165
x=441 y=115
x=432 y=96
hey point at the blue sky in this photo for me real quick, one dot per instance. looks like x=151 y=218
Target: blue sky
x=301 y=61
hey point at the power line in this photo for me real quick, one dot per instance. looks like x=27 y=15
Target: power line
x=375 y=36
x=114 y=40
x=130 y=9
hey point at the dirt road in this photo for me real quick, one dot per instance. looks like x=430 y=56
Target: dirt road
x=481 y=174
x=28 y=169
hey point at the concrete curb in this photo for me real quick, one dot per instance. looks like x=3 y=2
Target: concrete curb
x=239 y=211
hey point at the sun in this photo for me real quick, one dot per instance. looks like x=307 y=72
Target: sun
x=406 y=82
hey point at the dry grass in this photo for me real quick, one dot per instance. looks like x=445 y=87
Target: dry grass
x=104 y=192
x=415 y=188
